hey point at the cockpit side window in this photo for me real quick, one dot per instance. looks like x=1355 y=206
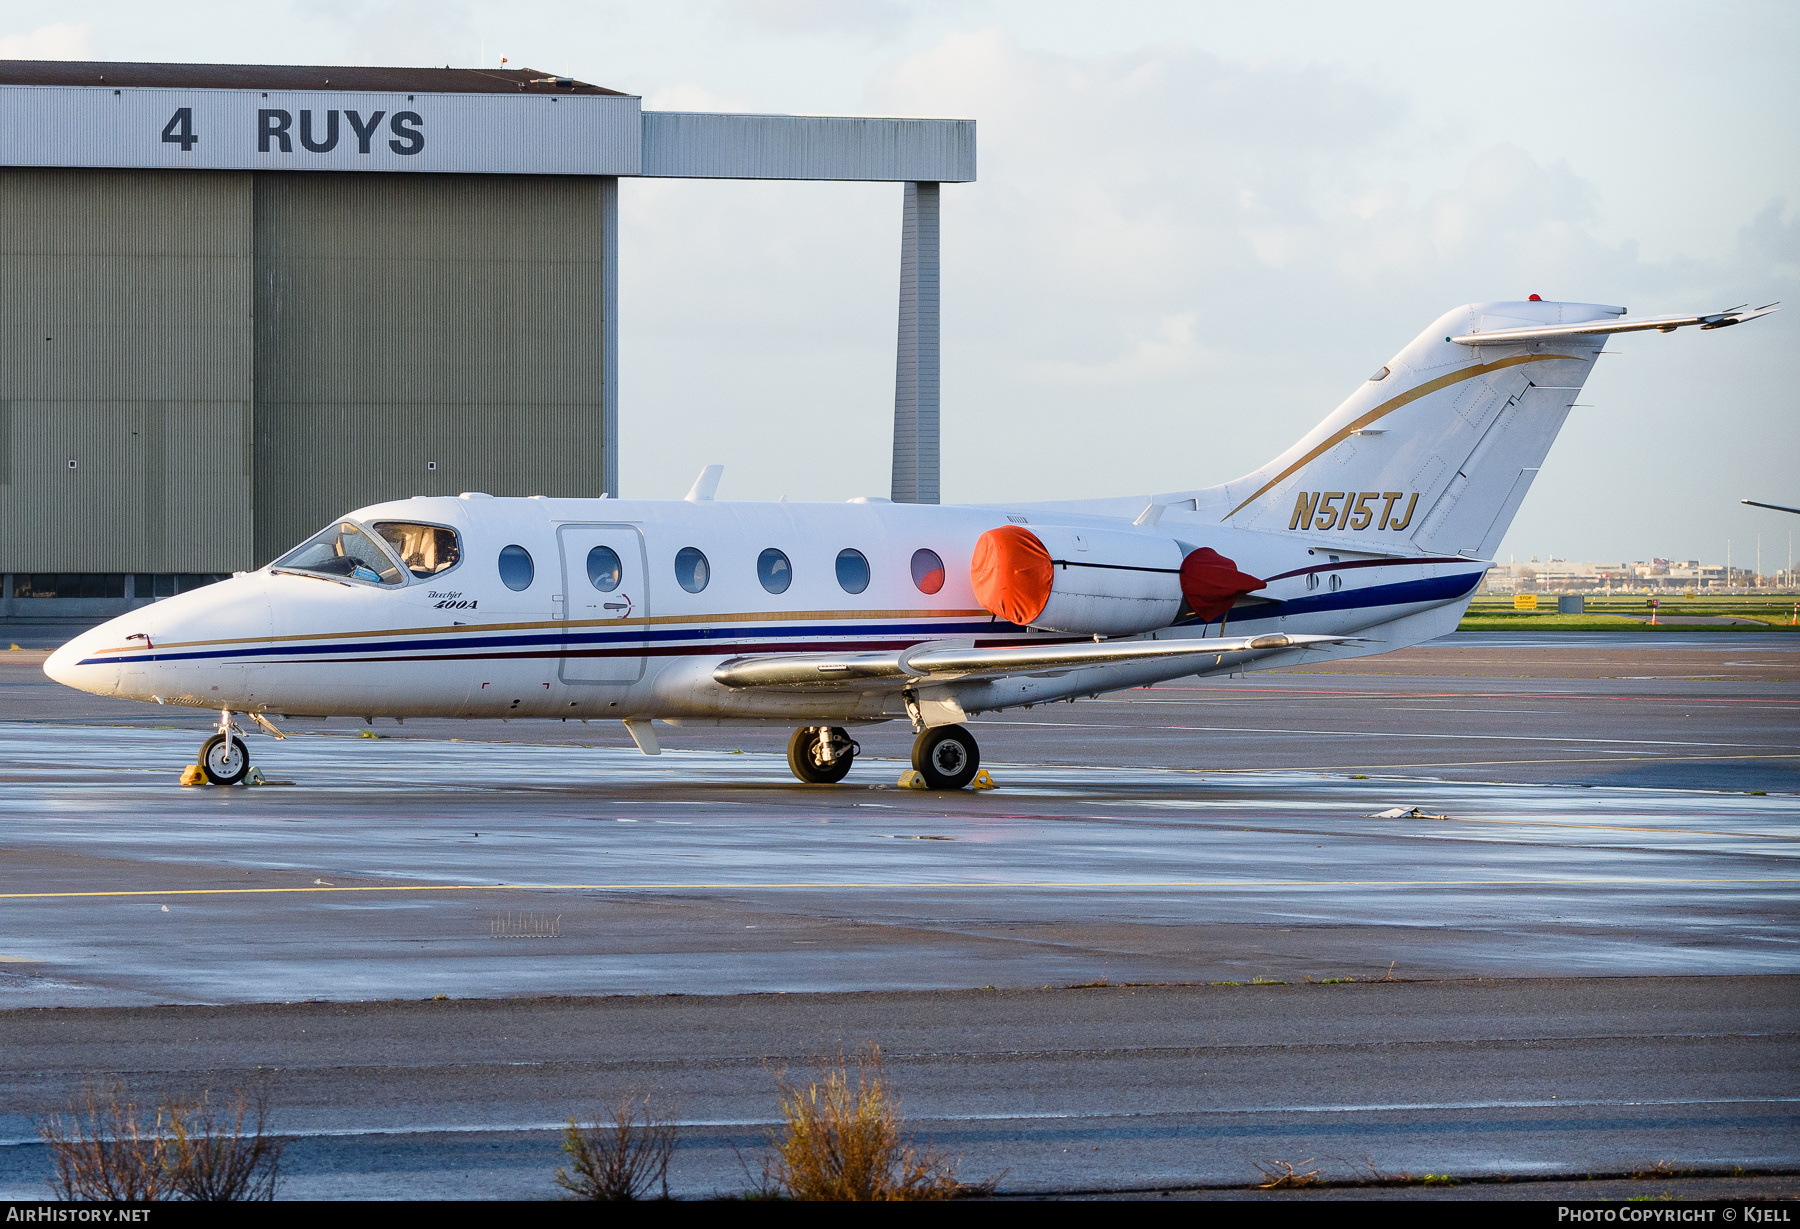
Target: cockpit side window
x=343 y=551
x=426 y=550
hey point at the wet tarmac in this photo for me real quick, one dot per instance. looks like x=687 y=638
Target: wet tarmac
x=1064 y=1089
x=1591 y=805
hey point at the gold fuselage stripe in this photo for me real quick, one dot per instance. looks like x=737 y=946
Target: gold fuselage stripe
x=1388 y=407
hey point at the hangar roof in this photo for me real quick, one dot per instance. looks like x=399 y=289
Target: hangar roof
x=292 y=77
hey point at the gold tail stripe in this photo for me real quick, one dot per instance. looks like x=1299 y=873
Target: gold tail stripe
x=1388 y=407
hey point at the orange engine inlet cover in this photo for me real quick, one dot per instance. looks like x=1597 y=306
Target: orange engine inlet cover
x=1012 y=573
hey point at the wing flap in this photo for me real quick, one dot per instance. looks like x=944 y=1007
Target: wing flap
x=951 y=662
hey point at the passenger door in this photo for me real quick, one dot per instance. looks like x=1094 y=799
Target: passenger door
x=604 y=600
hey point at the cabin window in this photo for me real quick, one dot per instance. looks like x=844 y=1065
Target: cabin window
x=774 y=570
x=852 y=570
x=426 y=550
x=604 y=569
x=343 y=551
x=516 y=568
x=927 y=571
x=692 y=571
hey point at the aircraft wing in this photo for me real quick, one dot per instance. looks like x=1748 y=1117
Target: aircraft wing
x=1618 y=324
x=939 y=661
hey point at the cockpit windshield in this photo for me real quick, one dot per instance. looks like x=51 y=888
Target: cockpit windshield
x=426 y=550
x=342 y=551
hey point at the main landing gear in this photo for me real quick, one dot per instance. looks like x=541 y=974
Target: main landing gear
x=821 y=754
x=224 y=758
x=946 y=756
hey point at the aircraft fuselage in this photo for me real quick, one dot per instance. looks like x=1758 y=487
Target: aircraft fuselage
x=462 y=642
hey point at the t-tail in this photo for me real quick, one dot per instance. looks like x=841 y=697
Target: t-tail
x=1436 y=450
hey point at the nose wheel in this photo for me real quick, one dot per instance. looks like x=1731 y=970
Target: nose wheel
x=946 y=756
x=224 y=759
x=821 y=755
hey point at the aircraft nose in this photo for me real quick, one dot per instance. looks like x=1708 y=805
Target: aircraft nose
x=74 y=664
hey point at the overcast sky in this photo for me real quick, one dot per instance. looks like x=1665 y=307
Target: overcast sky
x=1197 y=228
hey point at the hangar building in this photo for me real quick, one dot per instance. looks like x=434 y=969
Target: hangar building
x=236 y=300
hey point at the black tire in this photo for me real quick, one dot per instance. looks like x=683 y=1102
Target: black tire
x=803 y=761
x=224 y=764
x=946 y=756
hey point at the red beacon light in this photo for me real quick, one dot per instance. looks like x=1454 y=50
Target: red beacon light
x=1537 y=298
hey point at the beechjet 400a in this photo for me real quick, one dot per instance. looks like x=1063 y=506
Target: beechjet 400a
x=1368 y=535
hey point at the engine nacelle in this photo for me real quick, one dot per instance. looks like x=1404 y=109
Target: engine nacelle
x=1103 y=582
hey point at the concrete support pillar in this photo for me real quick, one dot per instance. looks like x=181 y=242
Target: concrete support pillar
x=916 y=375
x=609 y=335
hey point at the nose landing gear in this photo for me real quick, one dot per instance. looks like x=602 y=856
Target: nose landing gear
x=821 y=755
x=224 y=758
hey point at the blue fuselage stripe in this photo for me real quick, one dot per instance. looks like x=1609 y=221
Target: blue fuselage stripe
x=1403 y=593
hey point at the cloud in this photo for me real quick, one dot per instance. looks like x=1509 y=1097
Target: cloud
x=421 y=32
x=1173 y=265
x=61 y=41
x=689 y=96
x=870 y=19
x=1772 y=241
x=1138 y=184
x=1121 y=192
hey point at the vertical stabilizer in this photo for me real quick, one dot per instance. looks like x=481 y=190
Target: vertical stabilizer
x=1436 y=450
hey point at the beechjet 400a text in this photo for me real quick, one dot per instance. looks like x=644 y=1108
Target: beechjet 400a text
x=1369 y=535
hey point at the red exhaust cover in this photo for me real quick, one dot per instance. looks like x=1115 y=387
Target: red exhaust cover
x=1211 y=583
x=1012 y=572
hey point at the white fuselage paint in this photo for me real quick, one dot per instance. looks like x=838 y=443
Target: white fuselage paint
x=463 y=644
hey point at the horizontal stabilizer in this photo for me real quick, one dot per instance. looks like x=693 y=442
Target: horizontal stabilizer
x=948 y=662
x=1618 y=324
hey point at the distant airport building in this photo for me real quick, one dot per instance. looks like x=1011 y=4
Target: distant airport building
x=241 y=299
x=1561 y=575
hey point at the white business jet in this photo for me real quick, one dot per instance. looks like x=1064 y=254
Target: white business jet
x=1368 y=535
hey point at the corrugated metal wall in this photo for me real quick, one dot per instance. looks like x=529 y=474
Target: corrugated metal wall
x=408 y=319
x=126 y=347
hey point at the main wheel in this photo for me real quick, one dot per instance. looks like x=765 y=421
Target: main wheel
x=223 y=762
x=805 y=762
x=946 y=756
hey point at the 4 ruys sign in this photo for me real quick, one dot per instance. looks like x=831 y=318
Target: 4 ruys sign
x=320 y=130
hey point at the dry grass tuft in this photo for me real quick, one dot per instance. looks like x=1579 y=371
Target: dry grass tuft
x=843 y=1139
x=107 y=1147
x=621 y=1155
x=1283 y=1175
x=212 y=1157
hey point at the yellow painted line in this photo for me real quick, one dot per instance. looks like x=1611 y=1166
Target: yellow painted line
x=902 y=886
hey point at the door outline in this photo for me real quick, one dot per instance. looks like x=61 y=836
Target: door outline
x=575 y=583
